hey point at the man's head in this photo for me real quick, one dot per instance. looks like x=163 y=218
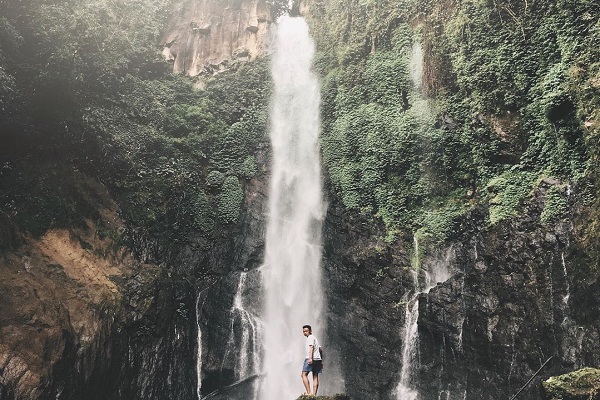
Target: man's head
x=306 y=330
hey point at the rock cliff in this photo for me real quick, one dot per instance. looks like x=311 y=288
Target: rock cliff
x=105 y=311
x=520 y=293
x=207 y=36
x=81 y=317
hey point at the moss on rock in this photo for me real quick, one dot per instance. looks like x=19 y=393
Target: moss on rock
x=583 y=384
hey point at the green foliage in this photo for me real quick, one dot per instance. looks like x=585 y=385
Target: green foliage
x=278 y=7
x=96 y=91
x=508 y=190
x=240 y=93
x=203 y=214
x=231 y=147
x=215 y=179
x=584 y=382
x=555 y=204
x=248 y=169
x=514 y=96
x=439 y=223
x=43 y=198
x=230 y=200
x=386 y=78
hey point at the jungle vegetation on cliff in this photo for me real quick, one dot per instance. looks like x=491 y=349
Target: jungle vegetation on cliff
x=514 y=89
x=83 y=87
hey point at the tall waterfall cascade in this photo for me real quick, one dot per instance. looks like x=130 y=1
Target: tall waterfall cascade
x=293 y=292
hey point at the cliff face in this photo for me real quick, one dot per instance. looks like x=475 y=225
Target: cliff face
x=206 y=36
x=524 y=292
x=82 y=318
x=520 y=293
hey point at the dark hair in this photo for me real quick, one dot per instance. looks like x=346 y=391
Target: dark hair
x=307 y=326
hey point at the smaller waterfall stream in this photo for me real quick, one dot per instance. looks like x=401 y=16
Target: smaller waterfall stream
x=566 y=275
x=409 y=350
x=435 y=271
x=245 y=331
x=199 y=349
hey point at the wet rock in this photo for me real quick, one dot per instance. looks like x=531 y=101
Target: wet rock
x=366 y=283
x=486 y=331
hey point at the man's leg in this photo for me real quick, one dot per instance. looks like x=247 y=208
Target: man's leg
x=315 y=383
x=305 y=381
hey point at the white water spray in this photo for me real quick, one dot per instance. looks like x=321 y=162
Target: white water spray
x=409 y=347
x=291 y=271
x=566 y=276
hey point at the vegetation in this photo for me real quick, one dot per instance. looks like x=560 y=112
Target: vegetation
x=513 y=89
x=84 y=80
x=507 y=94
x=580 y=384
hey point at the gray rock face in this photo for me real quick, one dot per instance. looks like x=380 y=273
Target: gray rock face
x=204 y=35
x=488 y=329
x=236 y=252
x=365 y=282
x=520 y=293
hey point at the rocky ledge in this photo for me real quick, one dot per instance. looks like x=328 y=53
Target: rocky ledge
x=583 y=384
x=337 y=396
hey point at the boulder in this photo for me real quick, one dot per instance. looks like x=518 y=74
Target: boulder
x=583 y=384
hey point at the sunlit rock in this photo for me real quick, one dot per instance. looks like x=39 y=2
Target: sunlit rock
x=203 y=37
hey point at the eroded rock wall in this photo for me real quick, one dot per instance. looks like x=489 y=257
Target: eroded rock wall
x=517 y=301
x=81 y=317
x=207 y=36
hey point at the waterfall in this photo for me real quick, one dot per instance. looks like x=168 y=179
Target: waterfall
x=293 y=293
x=436 y=270
x=198 y=349
x=409 y=350
x=566 y=276
x=244 y=334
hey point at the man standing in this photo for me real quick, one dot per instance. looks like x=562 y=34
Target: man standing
x=313 y=361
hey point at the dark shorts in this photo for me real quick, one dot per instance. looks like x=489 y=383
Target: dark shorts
x=316 y=367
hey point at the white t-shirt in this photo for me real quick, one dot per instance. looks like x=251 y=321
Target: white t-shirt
x=312 y=341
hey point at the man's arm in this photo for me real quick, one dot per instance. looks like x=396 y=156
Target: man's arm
x=311 y=350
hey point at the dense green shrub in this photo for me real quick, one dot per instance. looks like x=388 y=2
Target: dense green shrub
x=203 y=214
x=555 y=204
x=230 y=200
x=248 y=169
x=508 y=191
x=215 y=179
